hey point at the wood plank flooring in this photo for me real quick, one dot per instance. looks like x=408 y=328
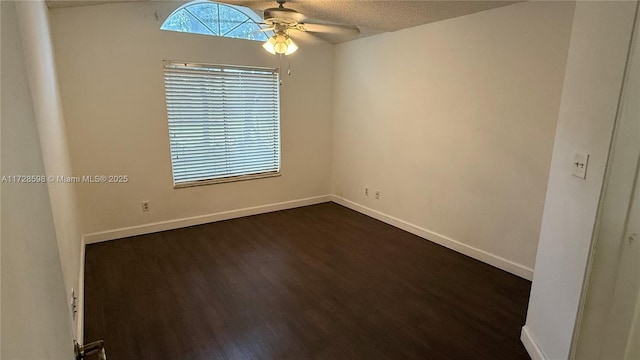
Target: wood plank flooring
x=319 y=282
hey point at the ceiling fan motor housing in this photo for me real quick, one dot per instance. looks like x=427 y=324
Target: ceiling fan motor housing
x=282 y=15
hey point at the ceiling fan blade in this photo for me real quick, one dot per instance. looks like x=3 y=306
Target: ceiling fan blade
x=268 y=28
x=265 y=29
x=330 y=28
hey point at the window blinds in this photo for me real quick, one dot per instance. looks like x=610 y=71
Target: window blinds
x=224 y=122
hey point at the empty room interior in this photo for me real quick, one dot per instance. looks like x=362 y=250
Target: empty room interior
x=320 y=179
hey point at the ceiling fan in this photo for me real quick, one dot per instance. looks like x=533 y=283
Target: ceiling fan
x=281 y=20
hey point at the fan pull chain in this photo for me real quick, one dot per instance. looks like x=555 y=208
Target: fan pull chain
x=288 y=67
x=280 y=67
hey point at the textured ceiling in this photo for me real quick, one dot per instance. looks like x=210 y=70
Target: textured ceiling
x=371 y=16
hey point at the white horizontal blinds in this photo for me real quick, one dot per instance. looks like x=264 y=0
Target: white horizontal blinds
x=224 y=121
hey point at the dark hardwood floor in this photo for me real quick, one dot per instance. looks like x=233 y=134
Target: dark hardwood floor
x=319 y=282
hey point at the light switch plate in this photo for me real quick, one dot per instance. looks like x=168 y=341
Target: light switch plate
x=579 y=165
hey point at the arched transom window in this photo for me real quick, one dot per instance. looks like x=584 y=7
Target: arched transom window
x=211 y=18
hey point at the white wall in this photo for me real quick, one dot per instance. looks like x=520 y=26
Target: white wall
x=109 y=61
x=39 y=62
x=454 y=123
x=598 y=50
x=35 y=322
x=610 y=248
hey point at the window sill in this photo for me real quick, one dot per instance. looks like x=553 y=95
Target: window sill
x=225 y=180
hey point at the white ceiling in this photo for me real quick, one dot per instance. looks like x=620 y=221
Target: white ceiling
x=371 y=16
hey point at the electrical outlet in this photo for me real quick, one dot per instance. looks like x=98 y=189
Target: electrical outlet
x=378 y=195
x=145 y=206
x=366 y=191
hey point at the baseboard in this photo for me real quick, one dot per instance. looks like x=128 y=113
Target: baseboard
x=440 y=239
x=531 y=344
x=491 y=259
x=198 y=220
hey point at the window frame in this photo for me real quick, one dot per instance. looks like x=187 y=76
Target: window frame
x=232 y=178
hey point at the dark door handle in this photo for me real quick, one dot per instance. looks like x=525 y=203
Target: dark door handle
x=94 y=350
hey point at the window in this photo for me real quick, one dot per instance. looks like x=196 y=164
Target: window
x=210 y=18
x=224 y=122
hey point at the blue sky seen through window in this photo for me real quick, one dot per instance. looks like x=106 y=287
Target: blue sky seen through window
x=210 y=18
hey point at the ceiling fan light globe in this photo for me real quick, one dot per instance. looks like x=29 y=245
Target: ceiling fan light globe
x=269 y=47
x=280 y=43
x=291 y=47
x=280 y=48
